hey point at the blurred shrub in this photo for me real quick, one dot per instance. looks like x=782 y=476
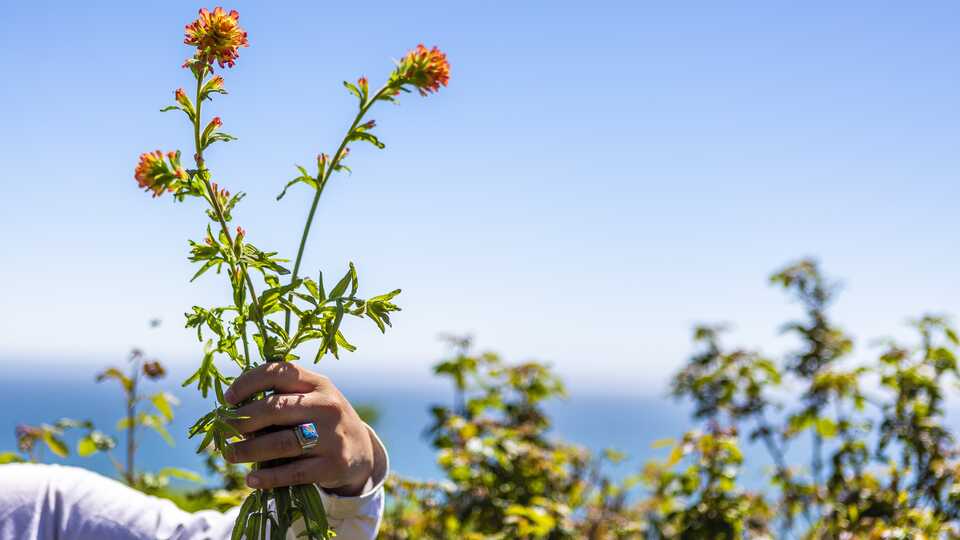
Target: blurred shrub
x=505 y=477
x=855 y=450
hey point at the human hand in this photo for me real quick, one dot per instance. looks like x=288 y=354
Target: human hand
x=343 y=459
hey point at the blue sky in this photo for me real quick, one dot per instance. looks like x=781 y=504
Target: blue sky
x=596 y=179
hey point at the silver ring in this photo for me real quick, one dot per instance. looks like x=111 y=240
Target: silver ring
x=307 y=435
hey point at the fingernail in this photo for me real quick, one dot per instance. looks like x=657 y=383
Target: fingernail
x=228 y=395
x=253 y=481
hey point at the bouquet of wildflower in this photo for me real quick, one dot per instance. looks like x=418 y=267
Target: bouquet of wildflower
x=274 y=310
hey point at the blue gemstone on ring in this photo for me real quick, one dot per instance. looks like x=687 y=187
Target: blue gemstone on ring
x=308 y=432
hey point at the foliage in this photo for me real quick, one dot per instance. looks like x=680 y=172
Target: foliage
x=505 y=477
x=262 y=287
x=156 y=419
x=880 y=462
x=93 y=441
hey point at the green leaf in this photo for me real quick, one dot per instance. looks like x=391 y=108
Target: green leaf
x=378 y=309
x=10 y=457
x=182 y=474
x=662 y=443
x=219 y=390
x=164 y=403
x=353 y=89
x=55 y=444
x=312 y=288
x=826 y=428
x=155 y=423
x=240 y=525
x=114 y=373
x=207 y=439
x=269 y=299
x=342 y=341
x=86 y=447
x=367 y=137
x=349 y=278
x=314 y=515
x=675 y=455
x=304 y=178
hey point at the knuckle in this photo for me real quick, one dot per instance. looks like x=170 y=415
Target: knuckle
x=273 y=367
x=277 y=403
x=299 y=476
x=271 y=478
x=288 y=444
x=332 y=404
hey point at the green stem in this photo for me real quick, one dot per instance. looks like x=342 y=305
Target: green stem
x=335 y=160
x=214 y=202
x=131 y=476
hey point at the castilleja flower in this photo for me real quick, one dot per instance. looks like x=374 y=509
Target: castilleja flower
x=425 y=69
x=217 y=36
x=156 y=174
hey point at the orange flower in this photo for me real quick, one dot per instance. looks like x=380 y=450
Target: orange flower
x=217 y=36
x=425 y=69
x=156 y=175
x=181 y=97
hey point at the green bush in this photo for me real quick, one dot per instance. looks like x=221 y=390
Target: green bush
x=877 y=461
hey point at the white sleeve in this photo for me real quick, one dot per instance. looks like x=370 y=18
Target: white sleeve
x=52 y=502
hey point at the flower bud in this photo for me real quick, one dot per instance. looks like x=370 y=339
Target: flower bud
x=181 y=96
x=154 y=369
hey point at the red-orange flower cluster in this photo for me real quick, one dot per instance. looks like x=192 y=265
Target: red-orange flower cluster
x=425 y=69
x=217 y=36
x=156 y=174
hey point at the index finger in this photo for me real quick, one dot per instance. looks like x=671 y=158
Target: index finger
x=280 y=376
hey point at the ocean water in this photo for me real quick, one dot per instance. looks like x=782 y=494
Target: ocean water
x=626 y=423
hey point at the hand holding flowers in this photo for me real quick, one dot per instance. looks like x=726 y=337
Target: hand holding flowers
x=247 y=332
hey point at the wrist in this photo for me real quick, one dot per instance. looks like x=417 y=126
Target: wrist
x=368 y=466
x=352 y=490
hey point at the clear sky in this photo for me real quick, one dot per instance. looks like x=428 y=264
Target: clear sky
x=597 y=177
